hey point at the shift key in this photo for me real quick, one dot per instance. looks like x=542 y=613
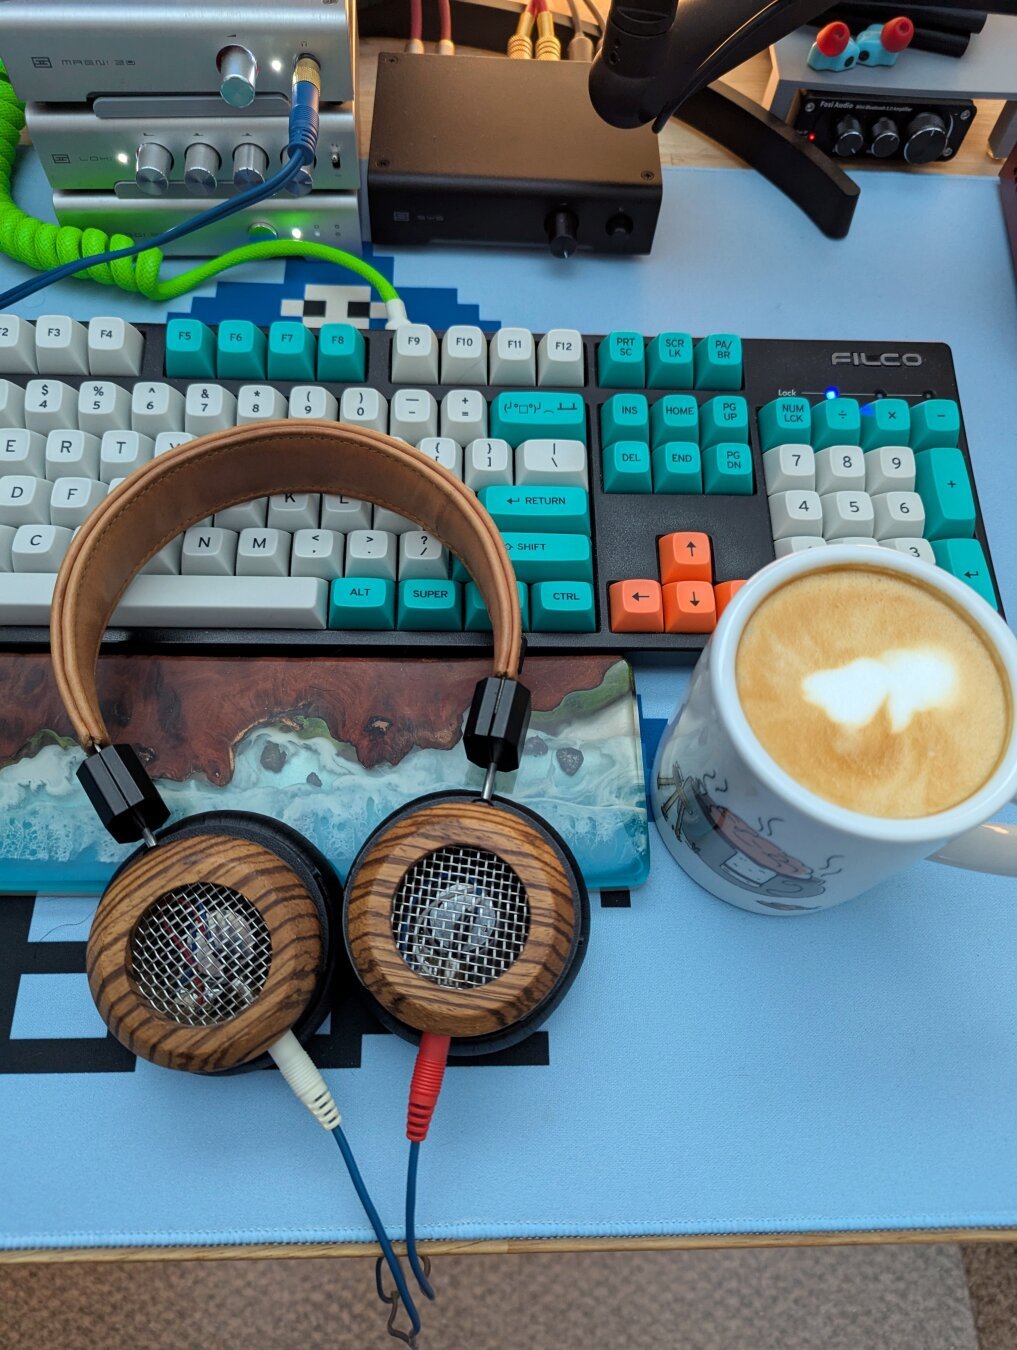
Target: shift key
x=545 y=557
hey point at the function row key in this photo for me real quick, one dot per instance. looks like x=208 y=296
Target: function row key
x=56 y=344
x=512 y=359
x=240 y=350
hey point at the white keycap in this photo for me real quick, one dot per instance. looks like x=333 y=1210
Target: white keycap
x=24 y=500
x=866 y=540
x=39 y=548
x=414 y=355
x=918 y=548
x=310 y=400
x=362 y=407
x=156 y=408
x=899 y=515
x=444 y=451
x=121 y=452
x=263 y=553
x=169 y=440
x=294 y=511
x=252 y=515
x=552 y=463
x=371 y=553
x=209 y=407
x=840 y=468
x=12 y=404
x=7 y=533
x=259 y=403
x=891 y=468
x=847 y=513
x=72 y=454
x=223 y=602
x=317 y=553
x=413 y=415
x=513 y=358
x=463 y=355
x=25 y=598
x=209 y=551
x=463 y=415
x=345 y=514
x=488 y=463
x=796 y=513
x=114 y=347
x=22 y=451
x=73 y=498
x=17 y=346
x=422 y=557
x=165 y=563
x=391 y=521
x=50 y=404
x=560 y=359
x=61 y=345
x=102 y=407
x=786 y=467
x=797 y=543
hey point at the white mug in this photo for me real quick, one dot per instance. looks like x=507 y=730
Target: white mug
x=749 y=833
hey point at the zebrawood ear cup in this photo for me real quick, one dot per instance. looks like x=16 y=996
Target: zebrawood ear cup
x=207 y=948
x=465 y=917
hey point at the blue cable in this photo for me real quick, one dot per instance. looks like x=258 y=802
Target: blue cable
x=379 y=1231
x=411 y=1220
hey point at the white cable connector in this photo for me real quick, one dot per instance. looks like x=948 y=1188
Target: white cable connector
x=297 y=1067
x=396 y=311
x=446 y=47
x=415 y=46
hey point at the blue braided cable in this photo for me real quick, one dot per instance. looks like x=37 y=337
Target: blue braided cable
x=411 y=1220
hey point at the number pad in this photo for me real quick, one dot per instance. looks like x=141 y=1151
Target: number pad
x=50 y=405
x=364 y=408
x=917 y=548
x=787 y=467
x=891 y=468
x=899 y=515
x=847 y=514
x=840 y=468
x=796 y=513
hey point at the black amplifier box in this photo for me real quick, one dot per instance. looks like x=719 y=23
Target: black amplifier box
x=863 y=126
x=486 y=150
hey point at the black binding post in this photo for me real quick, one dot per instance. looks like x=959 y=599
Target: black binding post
x=496 y=724
x=125 y=798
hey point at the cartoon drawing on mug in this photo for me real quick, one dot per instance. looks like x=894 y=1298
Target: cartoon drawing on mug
x=743 y=854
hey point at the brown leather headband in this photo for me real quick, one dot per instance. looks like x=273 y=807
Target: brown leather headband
x=169 y=494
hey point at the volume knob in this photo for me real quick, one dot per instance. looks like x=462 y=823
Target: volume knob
x=885 y=138
x=238 y=75
x=849 y=137
x=153 y=168
x=201 y=169
x=249 y=165
x=925 y=138
x=562 y=228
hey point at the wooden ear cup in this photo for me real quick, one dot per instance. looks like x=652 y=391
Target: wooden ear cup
x=204 y=950
x=464 y=917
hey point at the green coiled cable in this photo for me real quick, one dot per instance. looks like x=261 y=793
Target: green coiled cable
x=41 y=245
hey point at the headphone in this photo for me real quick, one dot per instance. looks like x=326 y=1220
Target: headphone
x=464 y=914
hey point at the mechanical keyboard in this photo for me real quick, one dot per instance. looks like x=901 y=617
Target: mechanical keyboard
x=636 y=481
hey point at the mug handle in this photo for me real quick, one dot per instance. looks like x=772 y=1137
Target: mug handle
x=991 y=847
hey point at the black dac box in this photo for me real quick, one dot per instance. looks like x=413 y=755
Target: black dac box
x=486 y=150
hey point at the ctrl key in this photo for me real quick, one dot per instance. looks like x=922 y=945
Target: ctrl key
x=361 y=603
x=562 y=607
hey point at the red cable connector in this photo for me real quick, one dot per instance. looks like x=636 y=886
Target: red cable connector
x=425 y=1085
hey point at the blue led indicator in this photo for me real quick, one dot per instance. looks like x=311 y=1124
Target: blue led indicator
x=833 y=392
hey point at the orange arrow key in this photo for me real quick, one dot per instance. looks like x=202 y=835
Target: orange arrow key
x=636 y=607
x=689 y=607
x=685 y=557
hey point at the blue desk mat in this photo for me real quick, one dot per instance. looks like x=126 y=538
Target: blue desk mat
x=711 y=1070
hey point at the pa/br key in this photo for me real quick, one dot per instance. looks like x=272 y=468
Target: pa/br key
x=531 y=415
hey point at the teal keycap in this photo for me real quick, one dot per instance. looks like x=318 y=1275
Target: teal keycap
x=887 y=421
x=836 y=421
x=621 y=361
x=240 y=351
x=430 y=606
x=725 y=418
x=532 y=415
x=550 y=557
x=942 y=482
x=936 y=421
x=677 y=467
x=727 y=468
x=566 y=510
x=342 y=355
x=718 y=362
x=785 y=421
x=190 y=350
x=965 y=559
x=669 y=361
x=477 y=619
x=291 y=351
x=362 y=603
x=627 y=467
x=675 y=417
x=563 y=607
x=625 y=417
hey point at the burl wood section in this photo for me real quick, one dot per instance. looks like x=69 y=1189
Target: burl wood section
x=489 y=1007
x=289 y=914
x=185 y=714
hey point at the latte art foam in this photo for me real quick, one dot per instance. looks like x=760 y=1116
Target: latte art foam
x=874 y=692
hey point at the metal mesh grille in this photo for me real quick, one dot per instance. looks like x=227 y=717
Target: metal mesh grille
x=201 y=954
x=460 y=917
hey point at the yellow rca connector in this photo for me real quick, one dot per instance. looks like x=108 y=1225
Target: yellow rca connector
x=548 y=46
x=520 y=44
